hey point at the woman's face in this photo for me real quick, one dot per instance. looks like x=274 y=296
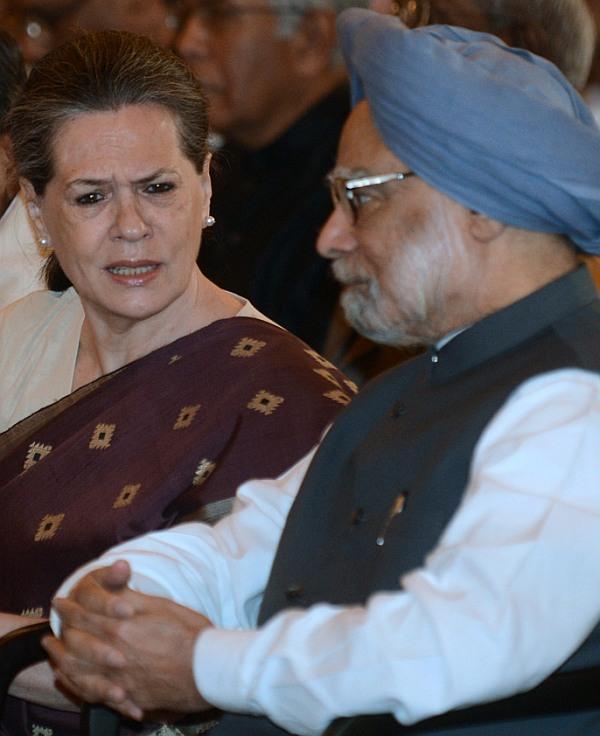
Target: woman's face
x=124 y=212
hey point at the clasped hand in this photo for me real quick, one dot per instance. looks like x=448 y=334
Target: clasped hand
x=130 y=651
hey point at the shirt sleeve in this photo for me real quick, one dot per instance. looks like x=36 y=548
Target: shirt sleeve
x=510 y=591
x=219 y=571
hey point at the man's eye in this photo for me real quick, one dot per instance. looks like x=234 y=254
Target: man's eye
x=90 y=198
x=160 y=187
x=362 y=196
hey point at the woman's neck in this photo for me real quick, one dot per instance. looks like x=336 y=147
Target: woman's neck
x=107 y=343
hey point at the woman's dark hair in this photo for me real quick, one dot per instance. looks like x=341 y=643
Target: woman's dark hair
x=12 y=74
x=100 y=72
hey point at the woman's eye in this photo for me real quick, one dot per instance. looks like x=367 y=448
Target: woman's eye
x=90 y=198
x=160 y=187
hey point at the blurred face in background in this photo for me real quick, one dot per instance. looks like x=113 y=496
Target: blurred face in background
x=40 y=25
x=235 y=49
x=31 y=24
x=153 y=18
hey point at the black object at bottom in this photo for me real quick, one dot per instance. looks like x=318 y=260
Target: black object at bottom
x=22 y=648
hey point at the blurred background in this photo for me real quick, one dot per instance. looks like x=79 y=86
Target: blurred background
x=38 y=25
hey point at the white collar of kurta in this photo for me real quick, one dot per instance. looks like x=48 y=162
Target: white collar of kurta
x=450 y=336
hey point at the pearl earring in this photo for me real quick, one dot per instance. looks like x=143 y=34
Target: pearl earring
x=209 y=221
x=44 y=246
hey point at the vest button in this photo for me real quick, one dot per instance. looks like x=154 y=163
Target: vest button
x=294 y=592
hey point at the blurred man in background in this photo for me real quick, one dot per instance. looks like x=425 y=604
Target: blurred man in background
x=278 y=97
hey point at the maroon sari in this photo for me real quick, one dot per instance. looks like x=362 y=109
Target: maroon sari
x=169 y=436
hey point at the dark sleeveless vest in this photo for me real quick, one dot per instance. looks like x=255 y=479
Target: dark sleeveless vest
x=392 y=470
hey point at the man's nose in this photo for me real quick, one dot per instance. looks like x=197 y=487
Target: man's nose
x=337 y=235
x=193 y=39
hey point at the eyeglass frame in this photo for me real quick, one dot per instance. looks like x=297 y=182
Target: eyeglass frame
x=348 y=203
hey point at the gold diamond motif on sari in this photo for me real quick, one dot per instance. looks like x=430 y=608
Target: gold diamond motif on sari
x=319 y=358
x=128 y=493
x=266 y=403
x=203 y=471
x=327 y=375
x=37 y=612
x=36 y=452
x=48 y=527
x=41 y=730
x=338 y=396
x=102 y=436
x=186 y=416
x=247 y=347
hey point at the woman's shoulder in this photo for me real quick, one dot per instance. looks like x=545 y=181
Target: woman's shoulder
x=39 y=335
x=39 y=321
x=40 y=305
x=262 y=349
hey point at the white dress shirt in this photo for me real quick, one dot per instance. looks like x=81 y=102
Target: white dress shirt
x=509 y=592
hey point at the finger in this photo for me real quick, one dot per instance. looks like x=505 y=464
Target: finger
x=80 y=651
x=89 y=600
x=73 y=615
x=100 y=588
x=115 y=577
x=94 y=689
x=112 y=577
x=89 y=636
x=54 y=648
x=76 y=619
x=128 y=709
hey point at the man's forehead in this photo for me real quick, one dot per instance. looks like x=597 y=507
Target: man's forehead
x=361 y=147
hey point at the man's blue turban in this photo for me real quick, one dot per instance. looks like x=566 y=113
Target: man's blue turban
x=498 y=129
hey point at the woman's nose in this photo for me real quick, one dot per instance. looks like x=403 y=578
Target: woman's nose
x=130 y=223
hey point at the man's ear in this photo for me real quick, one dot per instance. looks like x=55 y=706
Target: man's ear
x=483 y=228
x=32 y=203
x=312 y=45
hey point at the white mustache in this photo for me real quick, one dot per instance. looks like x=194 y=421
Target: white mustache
x=346 y=273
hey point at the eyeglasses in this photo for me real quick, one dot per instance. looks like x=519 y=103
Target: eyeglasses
x=347 y=193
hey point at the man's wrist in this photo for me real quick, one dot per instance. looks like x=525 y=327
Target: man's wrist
x=218 y=665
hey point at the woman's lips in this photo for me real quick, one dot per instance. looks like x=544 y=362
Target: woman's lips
x=137 y=273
